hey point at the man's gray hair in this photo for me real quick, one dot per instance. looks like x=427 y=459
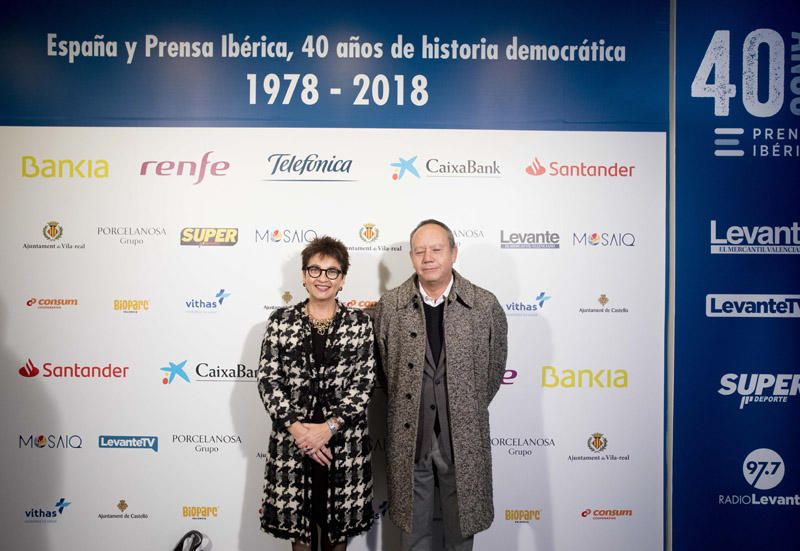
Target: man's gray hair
x=450 y=237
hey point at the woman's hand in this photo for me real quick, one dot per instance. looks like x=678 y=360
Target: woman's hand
x=311 y=439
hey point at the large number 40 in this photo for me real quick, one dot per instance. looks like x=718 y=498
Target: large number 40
x=717 y=60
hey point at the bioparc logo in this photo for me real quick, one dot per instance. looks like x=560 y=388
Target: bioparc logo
x=760 y=388
x=48 y=515
x=188 y=170
x=52 y=232
x=606 y=514
x=530 y=240
x=131 y=306
x=311 y=167
x=209 y=306
x=520 y=308
x=580 y=169
x=438 y=167
x=287 y=236
x=210 y=237
x=204 y=512
x=523 y=516
x=763 y=469
x=756 y=239
x=51 y=441
x=203 y=372
x=597 y=443
x=604 y=239
x=106 y=441
x=51 y=303
x=752 y=306
x=74 y=371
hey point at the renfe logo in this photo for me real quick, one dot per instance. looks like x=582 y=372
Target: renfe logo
x=752 y=306
x=190 y=168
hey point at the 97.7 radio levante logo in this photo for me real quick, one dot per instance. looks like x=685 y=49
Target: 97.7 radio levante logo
x=763 y=469
x=766 y=81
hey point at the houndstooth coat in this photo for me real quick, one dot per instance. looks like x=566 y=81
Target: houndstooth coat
x=286 y=374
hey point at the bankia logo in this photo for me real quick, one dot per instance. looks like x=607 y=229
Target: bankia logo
x=207 y=306
x=51 y=303
x=530 y=240
x=64 y=169
x=763 y=469
x=210 y=237
x=208 y=373
x=752 y=306
x=579 y=169
x=522 y=308
x=74 y=371
x=602 y=379
x=760 y=388
x=51 y=441
x=285 y=236
x=187 y=170
x=604 y=239
x=401 y=166
x=309 y=167
x=49 y=514
x=755 y=239
x=107 y=441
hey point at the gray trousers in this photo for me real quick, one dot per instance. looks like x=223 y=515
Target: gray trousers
x=421 y=536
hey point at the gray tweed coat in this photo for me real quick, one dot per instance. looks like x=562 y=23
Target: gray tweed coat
x=476 y=335
x=291 y=384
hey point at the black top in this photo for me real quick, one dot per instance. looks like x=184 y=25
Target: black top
x=434 y=328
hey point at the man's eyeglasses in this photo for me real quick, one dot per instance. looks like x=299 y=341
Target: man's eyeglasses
x=316 y=271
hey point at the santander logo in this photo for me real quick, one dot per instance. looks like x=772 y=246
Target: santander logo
x=29 y=370
x=535 y=168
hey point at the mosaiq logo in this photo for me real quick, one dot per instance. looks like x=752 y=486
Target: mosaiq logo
x=760 y=388
x=51 y=441
x=604 y=239
x=188 y=170
x=311 y=167
x=286 y=236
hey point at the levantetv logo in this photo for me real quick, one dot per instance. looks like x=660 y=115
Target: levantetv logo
x=128 y=442
x=51 y=514
x=756 y=239
x=288 y=167
x=752 y=306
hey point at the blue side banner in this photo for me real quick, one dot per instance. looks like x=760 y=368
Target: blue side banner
x=737 y=378
x=502 y=65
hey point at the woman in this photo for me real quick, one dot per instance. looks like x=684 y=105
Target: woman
x=315 y=377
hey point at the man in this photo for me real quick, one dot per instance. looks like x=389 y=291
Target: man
x=442 y=343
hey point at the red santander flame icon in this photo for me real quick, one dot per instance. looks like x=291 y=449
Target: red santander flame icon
x=29 y=370
x=535 y=168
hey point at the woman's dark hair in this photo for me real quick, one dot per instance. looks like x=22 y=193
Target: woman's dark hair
x=327 y=246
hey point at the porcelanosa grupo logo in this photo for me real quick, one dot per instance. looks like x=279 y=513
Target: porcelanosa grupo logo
x=132 y=235
x=579 y=170
x=521 y=446
x=205 y=372
x=760 y=388
x=206 y=442
x=522 y=308
x=756 y=239
x=47 y=515
x=74 y=371
x=311 y=167
x=763 y=469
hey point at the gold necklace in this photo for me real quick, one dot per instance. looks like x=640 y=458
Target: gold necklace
x=321 y=325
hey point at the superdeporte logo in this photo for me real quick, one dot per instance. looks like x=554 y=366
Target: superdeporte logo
x=205 y=237
x=128 y=442
x=756 y=239
x=760 y=388
x=74 y=371
x=579 y=169
x=753 y=306
x=763 y=469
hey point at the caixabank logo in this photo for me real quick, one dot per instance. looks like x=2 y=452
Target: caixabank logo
x=49 y=515
x=765 y=389
x=209 y=237
x=76 y=370
x=763 y=469
x=578 y=169
x=441 y=166
x=205 y=372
